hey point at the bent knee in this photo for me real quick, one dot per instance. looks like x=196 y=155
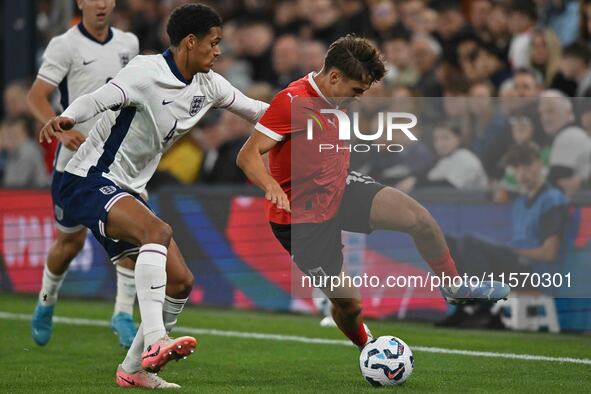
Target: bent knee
x=422 y=221
x=350 y=307
x=71 y=245
x=157 y=233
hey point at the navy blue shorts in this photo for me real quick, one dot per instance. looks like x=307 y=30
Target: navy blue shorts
x=63 y=223
x=87 y=201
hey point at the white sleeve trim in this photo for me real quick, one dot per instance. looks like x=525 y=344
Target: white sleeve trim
x=48 y=80
x=269 y=133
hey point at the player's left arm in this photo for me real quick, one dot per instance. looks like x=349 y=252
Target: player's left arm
x=250 y=161
x=552 y=226
x=232 y=99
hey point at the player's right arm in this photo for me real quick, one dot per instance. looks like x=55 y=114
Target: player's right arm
x=125 y=90
x=250 y=160
x=55 y=67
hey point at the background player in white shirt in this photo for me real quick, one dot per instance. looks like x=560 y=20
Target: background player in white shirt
x=158 y=98
x=77 y=62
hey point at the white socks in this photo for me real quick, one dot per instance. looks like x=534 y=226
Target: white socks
x=50 y=287
x=125 y=290
x=150 y=282
x=171 y=309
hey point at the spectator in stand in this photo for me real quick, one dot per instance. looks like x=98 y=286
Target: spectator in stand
x=457 y=167
x=480 y=12
x=311 y=56
x=585 y=26
x=522 y=20
x=325 y=23
x=498 y=27
x=488 y=122
x=525 y=129
x=286 y=60
x=15 y=99
x=23 y=166
x=425 y=53
x=384 y=19
x=451 y=24
x=528 y=84
x=254 y=43
x=576 y=66
x=400 y=68
x=223 y=141
x=545 y=53
x=570 y=152
x=411 y=14
x=562 y=16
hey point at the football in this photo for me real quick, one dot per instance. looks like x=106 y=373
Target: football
x=386 y=361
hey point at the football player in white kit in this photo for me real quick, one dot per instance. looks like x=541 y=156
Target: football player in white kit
x=148 y=106
x=78 y=62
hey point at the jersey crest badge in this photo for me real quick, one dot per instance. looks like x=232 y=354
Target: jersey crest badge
x=124 y=58
x=106 y=190
x=196 y=105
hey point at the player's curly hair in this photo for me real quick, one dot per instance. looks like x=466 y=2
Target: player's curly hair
x=356 y=58
x=195 y=19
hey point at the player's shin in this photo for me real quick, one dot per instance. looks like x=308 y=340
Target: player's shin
x=126 y=293
x=150 y=282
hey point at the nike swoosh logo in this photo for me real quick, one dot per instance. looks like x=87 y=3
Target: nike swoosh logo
x=157 y=352
x=157 y=287
x=85 y=63
x=164 y=102
x=128 y=381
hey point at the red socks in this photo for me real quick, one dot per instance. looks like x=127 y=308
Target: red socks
x=445 y=264
x=358 y=337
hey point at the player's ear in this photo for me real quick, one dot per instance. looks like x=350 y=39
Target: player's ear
x=191 y=41
x=334 y=76
x=79 y=4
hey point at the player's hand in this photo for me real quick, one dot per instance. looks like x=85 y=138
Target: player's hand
x=71 y=139
x=278 y=197
x=59 y=124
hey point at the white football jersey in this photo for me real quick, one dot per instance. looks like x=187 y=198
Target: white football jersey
x=157 y=106
x=78 y=64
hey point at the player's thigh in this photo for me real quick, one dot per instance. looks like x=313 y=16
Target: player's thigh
x=394 y=210
x=74 y=239
x=130 y=220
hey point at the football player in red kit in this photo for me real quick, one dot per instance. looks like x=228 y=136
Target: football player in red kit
x=312 y=196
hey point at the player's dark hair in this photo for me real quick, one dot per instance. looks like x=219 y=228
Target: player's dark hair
x=356 y=58
x=195 y=19
x=522 y=154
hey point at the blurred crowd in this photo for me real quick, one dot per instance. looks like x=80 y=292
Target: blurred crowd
x=534 y=55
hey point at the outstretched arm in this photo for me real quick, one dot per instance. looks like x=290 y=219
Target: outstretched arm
x=251 y=162
x=85 y=107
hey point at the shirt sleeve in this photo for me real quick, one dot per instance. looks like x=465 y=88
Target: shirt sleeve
x=228 y=97
x=133 y=81
x=553 y=222
x=57 y=60
x=276 y=122
x=87 y=106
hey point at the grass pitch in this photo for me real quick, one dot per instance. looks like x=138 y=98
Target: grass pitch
x=83 y=358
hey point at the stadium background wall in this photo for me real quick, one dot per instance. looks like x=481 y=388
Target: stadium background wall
x=237 y=262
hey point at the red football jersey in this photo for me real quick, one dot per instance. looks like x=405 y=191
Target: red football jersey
x=313 y=180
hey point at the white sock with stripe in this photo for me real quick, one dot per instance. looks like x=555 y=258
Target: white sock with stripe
x=150 y=282
x=125 y=290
